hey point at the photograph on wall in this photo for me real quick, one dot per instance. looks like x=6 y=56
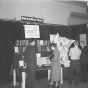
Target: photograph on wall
x=83 y=38
x=32 y=31
x=52 y=37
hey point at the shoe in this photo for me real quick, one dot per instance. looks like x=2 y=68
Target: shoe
x=69 y=83
x=56 y=86
x=75 y=84
x=85 y=81
x=49 y=85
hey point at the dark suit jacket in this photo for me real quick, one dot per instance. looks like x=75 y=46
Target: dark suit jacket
x=30 y=57
x=83 y=57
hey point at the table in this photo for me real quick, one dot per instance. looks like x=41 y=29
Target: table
x=42 y=72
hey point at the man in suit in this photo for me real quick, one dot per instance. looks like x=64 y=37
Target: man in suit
x=30 y=59
x=83 y=62
x=74 y=54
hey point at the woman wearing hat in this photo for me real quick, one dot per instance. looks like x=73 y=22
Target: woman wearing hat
x=30 y=59
x=55 y=67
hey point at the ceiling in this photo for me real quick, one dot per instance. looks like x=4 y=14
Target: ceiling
x=75 y=0
x=84 y=1
x=81 y=3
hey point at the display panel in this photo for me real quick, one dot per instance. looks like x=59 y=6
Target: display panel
x=83 y=38
x=32 y=31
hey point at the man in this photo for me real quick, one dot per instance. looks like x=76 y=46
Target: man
x=30 y=57
x=83 y=62
x=74 y=54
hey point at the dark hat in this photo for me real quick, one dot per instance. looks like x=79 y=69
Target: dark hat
x=52 y=44
x=31 y=40
x=76 y=42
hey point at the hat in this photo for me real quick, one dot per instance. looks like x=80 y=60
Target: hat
x=76 y=42
x=52 y=44
x=31 y=40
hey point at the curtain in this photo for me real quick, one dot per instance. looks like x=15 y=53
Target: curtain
x=9 y=33
x=76 y=30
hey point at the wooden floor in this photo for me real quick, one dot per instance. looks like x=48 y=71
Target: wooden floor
x=44 y=82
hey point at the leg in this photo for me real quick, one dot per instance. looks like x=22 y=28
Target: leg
x=80 y=75
x=71 y=70
x=77 y=75
x=84 y=72
x=30 y=79
x=56 y=85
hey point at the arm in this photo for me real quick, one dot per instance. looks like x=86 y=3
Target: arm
x=80 y=53
x=70 y=52
x=86 y=50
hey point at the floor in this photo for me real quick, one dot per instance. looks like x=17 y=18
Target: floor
x=44 y=82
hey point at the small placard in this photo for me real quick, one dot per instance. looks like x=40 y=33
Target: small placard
x=21 y=63
x=38 y=55
x=16 y=49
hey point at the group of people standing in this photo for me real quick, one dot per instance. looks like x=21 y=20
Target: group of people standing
x=30 y=59
x=78 y=57
x=78 y=65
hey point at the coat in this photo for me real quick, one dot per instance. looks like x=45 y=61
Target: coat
x=83 y=57
x=56 y=66
x=30 y=59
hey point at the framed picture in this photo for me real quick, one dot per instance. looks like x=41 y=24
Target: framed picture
x=83 y=38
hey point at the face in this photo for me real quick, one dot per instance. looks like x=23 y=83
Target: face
x=52 y=47
x=82 y=44
x=33 y=43
x=76 y=43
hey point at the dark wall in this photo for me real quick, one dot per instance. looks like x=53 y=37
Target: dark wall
x=71 y=32
x=11 y=31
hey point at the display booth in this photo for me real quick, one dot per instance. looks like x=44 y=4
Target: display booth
x=43 y=63
x=15 y=38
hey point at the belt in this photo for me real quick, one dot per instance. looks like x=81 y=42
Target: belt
x=75 y=59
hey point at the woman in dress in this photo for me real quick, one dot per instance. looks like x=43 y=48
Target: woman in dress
x=55 y=67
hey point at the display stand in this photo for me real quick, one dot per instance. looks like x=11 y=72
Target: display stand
x=14 y=77
x=61 y=82
x=23 y=67
x=49 y=72
x=23 y=80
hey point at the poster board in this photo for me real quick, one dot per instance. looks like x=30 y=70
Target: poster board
x=32 y=31
x=16 y=49
x=83 y=38
x=52 y=37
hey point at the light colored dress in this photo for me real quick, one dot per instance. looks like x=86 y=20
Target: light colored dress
x=56 y=67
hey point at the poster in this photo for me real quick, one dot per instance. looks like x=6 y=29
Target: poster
x=32 y=31
x=52 y=37
x=83 y=38
x=63 y=45
x=16 y=49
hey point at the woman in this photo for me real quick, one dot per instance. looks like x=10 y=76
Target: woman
x=55 y=67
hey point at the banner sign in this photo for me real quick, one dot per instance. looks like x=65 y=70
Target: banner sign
x=31 y=19
x=32 y=31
